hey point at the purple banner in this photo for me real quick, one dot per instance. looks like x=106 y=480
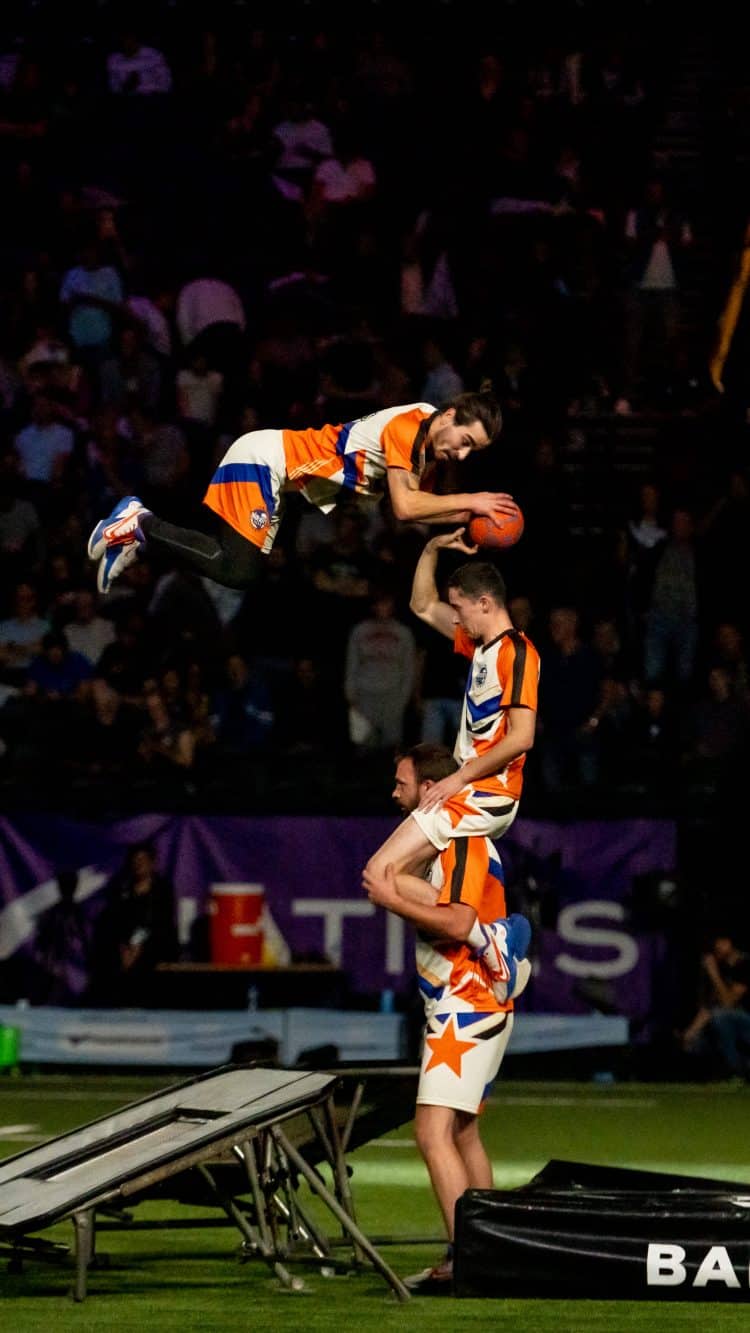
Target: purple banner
x=574 y=880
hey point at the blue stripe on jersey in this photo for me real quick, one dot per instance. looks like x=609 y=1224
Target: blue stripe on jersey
x=350 y=460
x=485 y=709
x=487 y=1090
x=496 y=869
x=466 y=1020
x=434 y=992
x=247 y=472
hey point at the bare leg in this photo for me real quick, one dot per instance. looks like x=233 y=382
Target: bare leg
x=435 y=1135
x=407 y=849
x=472 y=1151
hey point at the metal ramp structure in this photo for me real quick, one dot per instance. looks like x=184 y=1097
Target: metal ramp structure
x=272 y=1126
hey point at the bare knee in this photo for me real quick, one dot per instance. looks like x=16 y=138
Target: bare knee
x=466 y=1129
x=433 y=1133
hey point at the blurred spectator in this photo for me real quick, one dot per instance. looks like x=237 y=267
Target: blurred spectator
x=645 y=536
x=151 y=305
x=428 y=285
x=671 y=623
x=92 y=295
x=134 y=69
x=280 y=586
x=167 y=746
x=211 y=310
x=57 y=672
x=132 y=374
x=650 y=764
x=313 y=722
x=160 y=450
x=21 y=540
x=342 y=574
x=21 y=634
x=379 y=673
x=569 y=689
x=128 y=661
x=442 y=381
x=337 y=207
x=304 y=142
x=44 y=445
x=719 y=1032
x=107 y=737
x=63 y=948
x=183 y=618
x=88 y=634
x=716 y=735
x=657 y=234
x=135 y=931
x=243 y=710
x=725 y=532
x=728 y=651
x=199 y=391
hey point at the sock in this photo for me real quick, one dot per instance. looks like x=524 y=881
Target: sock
x=476 y=936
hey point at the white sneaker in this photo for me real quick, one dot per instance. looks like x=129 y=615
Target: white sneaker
x=503 y=953
x=113 y=562
x=119 y=527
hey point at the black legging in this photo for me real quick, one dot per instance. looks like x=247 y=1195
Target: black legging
x=227 y=557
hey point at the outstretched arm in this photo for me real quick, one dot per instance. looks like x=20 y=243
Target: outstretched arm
x=412 y=505
x=425 y=600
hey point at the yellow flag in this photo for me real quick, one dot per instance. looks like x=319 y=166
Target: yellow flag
x=730 y=315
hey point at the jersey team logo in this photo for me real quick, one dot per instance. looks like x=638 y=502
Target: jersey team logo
x=481 y=676
x=259 y=518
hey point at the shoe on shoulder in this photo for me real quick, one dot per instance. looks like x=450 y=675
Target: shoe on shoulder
x=503 y=949
x=119 y=528
x=437 y=1281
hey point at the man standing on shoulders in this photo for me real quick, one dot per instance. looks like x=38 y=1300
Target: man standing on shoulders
x=498 y=719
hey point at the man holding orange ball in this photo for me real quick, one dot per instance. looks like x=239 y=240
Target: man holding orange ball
x=391 y=450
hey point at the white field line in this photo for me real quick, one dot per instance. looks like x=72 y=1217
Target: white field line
x=509 y=1176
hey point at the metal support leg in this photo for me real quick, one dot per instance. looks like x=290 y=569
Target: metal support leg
x=258 y=1241
x=349 y=1225
x=83 y=1225
x=352 y=1116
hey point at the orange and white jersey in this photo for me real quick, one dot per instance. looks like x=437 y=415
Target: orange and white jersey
x=450 y=978
x=504 y=674
x=356 y=455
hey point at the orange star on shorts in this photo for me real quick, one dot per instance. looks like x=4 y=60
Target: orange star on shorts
x=447 y=1049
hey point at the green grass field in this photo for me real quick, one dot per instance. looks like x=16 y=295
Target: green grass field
x=193 y=1279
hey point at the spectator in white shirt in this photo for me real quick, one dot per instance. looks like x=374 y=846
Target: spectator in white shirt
x=137 y=69
x=87 y=633
x=44 y=445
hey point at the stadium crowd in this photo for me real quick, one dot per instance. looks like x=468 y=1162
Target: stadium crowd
x=212 y=225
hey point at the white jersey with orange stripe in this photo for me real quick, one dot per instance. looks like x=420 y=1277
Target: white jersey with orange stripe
x=357 y=454
x=503 y=674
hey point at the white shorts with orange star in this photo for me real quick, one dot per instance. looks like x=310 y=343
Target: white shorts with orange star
x=462 y=1055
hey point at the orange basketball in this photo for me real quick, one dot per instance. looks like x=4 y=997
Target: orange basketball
x=504 y=530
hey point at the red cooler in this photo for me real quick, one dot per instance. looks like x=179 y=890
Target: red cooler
x=236 y=912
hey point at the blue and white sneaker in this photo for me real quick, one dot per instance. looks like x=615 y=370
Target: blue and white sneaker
x=114 y=561
x=118 y=528
x=503 y=953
